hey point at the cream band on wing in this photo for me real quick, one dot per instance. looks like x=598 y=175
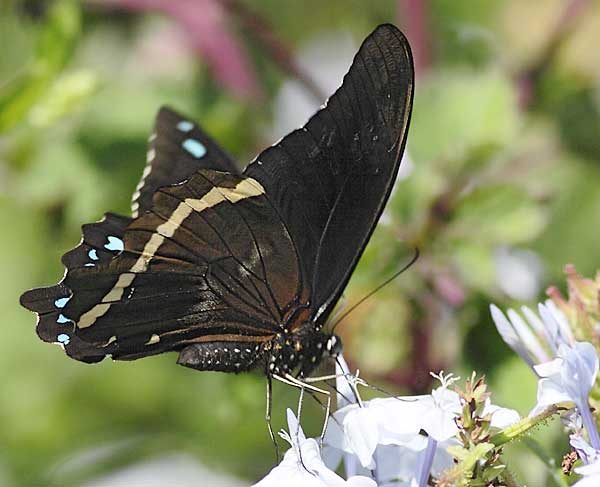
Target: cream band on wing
x=246 y=188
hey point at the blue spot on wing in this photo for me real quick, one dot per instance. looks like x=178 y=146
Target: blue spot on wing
x=92 y=254
x=62 y=302
x=63 y=319
x=194 y=147
x=114 y=243
x=185 y=126
x=63 y=338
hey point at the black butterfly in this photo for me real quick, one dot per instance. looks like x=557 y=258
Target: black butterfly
x=239 y=270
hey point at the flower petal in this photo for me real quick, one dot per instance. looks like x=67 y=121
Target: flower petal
x=501 y=417
x=530 y=341
x=360 y=481
x=580 y=370
x=361 y=431
x=345 y=394
x=548 y=369
x=509 y=335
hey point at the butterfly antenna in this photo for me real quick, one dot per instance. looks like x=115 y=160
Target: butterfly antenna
x=378 y=288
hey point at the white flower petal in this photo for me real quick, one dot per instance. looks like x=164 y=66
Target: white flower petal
x=590 y=469
x=438 y=413
x=584 y=450
x=509 y=335
x=568 y=378
x=289 y=473
x=593 y=481
x=443 y=460
x=361 y=431
x=591 y=475
x=447 y=400
x=552 y=328
x=397 y=416
x=332 y=456
x=551 y=392
x=394 y=462
x=580 y=370
x=530 y=341
x=360 y=481
x=294 y=428
x=302 y=464
x=548 y=369
x=345 y=394
x=309 y=472
x=563 y=323
x=538 y=326
x=439 y=424
x=501 y=417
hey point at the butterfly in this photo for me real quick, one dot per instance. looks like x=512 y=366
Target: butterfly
x=239 y=270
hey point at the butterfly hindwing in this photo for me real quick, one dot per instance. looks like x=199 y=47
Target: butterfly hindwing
x=331 y=179
x=190 y=270
x=177 y=149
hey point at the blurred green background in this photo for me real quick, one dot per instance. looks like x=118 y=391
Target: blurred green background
x=499 y=190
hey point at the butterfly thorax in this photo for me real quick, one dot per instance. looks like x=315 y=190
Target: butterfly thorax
x=301 y=351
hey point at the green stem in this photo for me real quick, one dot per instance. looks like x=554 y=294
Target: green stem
x=516 y=430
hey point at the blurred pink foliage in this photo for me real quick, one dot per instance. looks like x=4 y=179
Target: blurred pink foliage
x=206 y=24
x=414 y=19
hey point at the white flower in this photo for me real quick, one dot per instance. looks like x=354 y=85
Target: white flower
x=390 y=421
x=302 y=465
x=401 y=462
x=385 y=433
x=584 y=450
x=591 y=475
x=569 y=378
x=501 y=417
x=535 y=340
x=343 y=381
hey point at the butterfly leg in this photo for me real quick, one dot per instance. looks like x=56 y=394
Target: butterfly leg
x=298 y=414
x=322 y=378
x=268 y=416
x=302 y=384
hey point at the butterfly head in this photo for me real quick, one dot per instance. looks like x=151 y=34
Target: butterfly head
x=334 y=345
x=301 y=350
x=319 y=346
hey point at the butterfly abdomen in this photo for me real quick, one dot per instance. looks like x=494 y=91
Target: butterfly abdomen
x=222 y=356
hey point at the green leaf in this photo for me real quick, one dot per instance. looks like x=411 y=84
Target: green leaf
x=456 y=111
x=54 y=46
x=500 y=214
x=65 y=95
x=475 y=264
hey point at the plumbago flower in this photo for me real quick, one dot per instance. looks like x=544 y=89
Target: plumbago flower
x=396 y=441
x=302 y=465
x=561 y=347
x=535 y=340
x=590 y=473
x=385 y=435
x=570 y=378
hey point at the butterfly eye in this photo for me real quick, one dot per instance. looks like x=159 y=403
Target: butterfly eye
x=334 y=345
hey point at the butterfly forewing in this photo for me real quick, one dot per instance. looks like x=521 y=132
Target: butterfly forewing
x=330 y=179
x=177 y=149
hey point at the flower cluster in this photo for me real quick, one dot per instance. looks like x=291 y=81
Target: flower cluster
x=455 y=437
x=394 y=441
x=561 y=347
